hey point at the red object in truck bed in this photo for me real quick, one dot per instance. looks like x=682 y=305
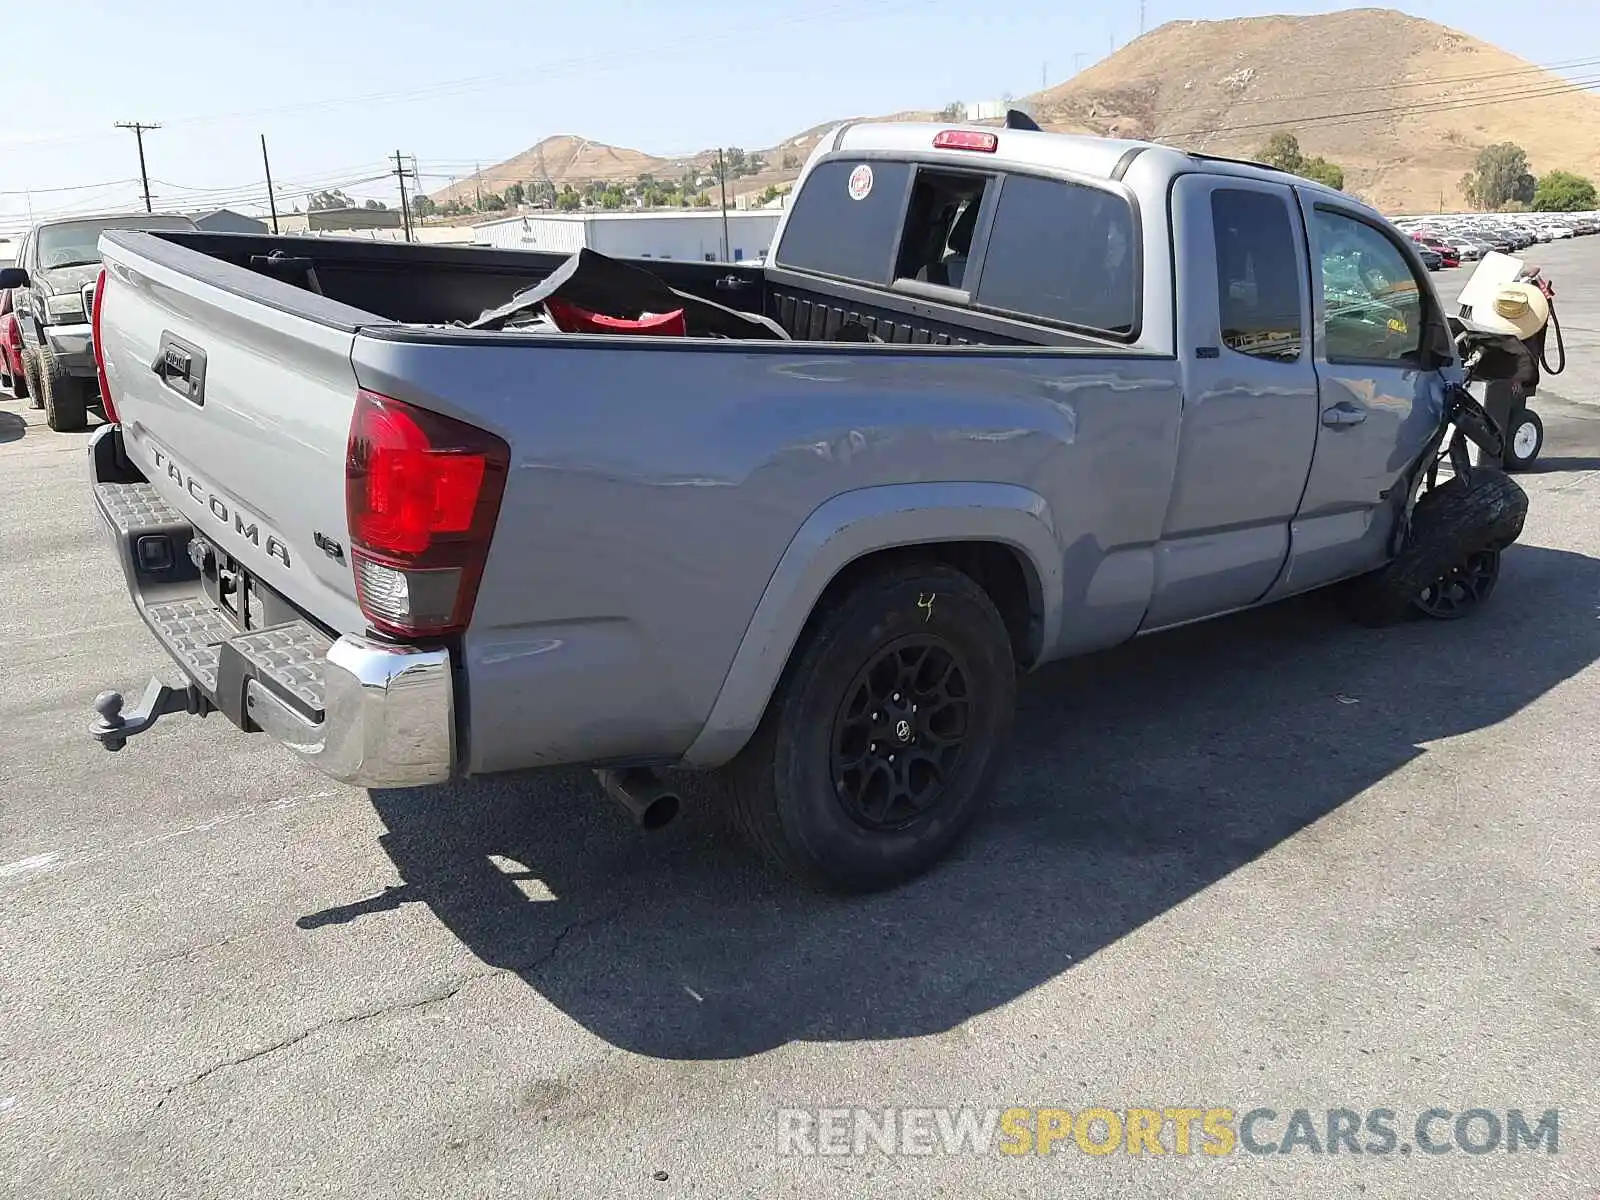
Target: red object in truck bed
x=569 y=318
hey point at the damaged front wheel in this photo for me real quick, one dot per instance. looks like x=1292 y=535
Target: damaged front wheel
x=1451 y=560
x=1462 y=589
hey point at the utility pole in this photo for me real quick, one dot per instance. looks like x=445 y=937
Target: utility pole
x=1141 y=17
x=272 y=199
x=400 y=173
x=138 y=128
x=1077 y=62
x=477 y=180
x=722 y=182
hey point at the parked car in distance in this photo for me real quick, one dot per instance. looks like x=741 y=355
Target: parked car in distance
x=1431 y=258
x=1441 y=249
x=983 y=408
x=53 y=279
x=12 y=379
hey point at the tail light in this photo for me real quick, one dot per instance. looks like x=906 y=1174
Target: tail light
x=422 y=492
x=106 y=402
x=966 y=139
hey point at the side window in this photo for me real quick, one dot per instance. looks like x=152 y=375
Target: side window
x=1372 y=300
x=1064 y=252
x=1259 y=289
x=846 y=220
x=939 y=226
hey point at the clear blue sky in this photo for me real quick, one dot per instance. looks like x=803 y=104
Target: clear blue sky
x=336 y=86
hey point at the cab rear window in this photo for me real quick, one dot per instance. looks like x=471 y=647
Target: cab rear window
x=1064 y=252
x=846 y=220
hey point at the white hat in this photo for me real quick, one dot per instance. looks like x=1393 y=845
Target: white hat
x=1520 y=309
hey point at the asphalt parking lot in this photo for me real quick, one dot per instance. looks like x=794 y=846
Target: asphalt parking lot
x=1277 y=861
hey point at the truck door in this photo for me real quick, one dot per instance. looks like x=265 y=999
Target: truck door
x=1377 y=406
x=1249 y=395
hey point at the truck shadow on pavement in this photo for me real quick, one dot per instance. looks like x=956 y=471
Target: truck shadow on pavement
x=1139 y=777
x=12 y=428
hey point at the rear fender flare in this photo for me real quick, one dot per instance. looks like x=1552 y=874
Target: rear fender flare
x=851 y=526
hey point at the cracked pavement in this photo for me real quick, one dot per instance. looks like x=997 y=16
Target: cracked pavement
x=1274 y=860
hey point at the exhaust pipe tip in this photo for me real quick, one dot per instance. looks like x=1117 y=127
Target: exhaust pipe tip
x=652 y=804
x=660 y=812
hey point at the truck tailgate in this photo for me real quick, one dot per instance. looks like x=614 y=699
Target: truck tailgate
x=235 y=394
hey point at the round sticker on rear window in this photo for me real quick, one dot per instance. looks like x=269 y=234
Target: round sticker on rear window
x=861 y=182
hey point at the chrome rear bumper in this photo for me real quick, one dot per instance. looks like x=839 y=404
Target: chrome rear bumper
x=362 y=711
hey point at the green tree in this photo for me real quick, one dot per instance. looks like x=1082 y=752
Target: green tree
x=1562 y=191
x=1282 y=150
x=954 y=111
x=568 y=200
x=423 y=206
x=611 y=198
x=515 y=194
x=702 y=201
x=1499 y=174
x=1324 y=172
x=493 y=203
x=374 y=204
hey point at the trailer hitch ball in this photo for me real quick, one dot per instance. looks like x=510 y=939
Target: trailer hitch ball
x=109 y=706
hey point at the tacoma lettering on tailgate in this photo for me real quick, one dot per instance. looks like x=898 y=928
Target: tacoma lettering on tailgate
x=243 y=524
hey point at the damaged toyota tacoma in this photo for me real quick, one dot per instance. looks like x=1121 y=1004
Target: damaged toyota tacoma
x=997 y=398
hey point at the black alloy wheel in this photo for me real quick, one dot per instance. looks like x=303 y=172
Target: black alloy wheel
x=900 y=732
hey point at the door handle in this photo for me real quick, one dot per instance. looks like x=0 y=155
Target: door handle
x=1343 y=414
x=182 y=367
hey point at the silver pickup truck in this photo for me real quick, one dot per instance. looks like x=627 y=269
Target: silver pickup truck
x=1010 y=396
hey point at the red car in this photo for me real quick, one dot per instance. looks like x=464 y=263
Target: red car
x=12 y=378
x=1449 y=256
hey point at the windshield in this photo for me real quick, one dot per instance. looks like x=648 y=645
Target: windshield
x=76 y=244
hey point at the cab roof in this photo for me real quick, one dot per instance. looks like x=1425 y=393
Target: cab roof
x=1081 y=154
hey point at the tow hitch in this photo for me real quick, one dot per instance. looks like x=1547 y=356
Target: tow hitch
x=115 y=727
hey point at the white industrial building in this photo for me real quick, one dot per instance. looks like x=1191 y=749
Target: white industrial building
x=695 y=235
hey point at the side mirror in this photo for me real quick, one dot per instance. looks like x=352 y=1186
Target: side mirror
x=1438 y=346
x=12 y=277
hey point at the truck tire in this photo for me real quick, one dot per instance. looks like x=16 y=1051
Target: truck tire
x=30 y=380
x=66 y=400
x=885 y=734
x=1452 y=527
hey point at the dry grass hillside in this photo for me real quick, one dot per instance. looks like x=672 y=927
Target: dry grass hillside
x=562 y=159
x=1402 y=104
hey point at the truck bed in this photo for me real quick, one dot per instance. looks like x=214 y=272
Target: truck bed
x=432 y=285
x=437 y=285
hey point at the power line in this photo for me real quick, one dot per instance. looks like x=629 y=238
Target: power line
x=76 y=187
x=1422 y=106
x=1434 y=81
x=139 y=128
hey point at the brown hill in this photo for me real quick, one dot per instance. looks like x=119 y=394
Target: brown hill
x=563 y=159
x=1402 y=104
